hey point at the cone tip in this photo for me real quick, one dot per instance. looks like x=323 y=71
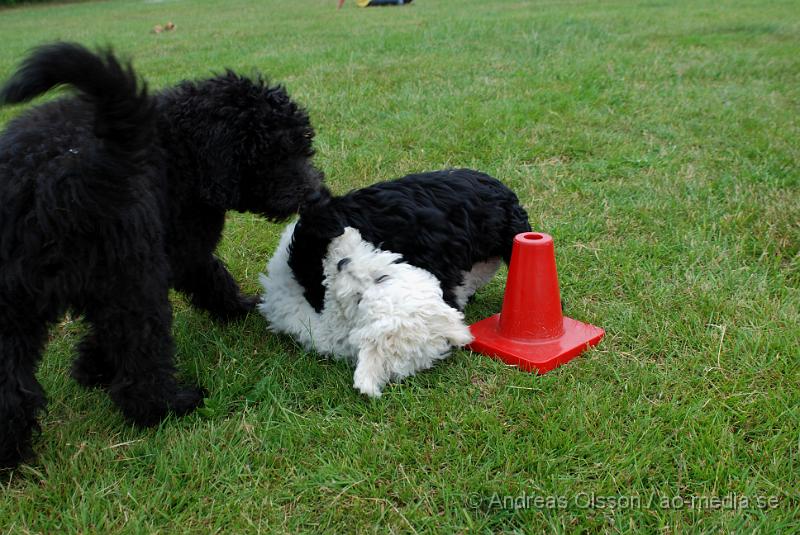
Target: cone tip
x=533 y=238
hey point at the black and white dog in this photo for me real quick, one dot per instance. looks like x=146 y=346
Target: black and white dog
x=110 y=198
x=340 y=281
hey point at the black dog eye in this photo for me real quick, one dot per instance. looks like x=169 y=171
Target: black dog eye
x=381 y=279
x=342 y=263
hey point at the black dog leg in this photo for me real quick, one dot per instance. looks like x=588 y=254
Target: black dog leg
x=93 y=367
x=21 y=395
x=131 y=350
x=210 y=287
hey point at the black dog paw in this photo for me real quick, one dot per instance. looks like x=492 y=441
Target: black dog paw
x=243 y=306
x=91 y=372
x=249 y=302
x=145 y=405
x=186 y=400
x=15 y=441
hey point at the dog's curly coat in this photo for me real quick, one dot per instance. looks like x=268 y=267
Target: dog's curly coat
x=111 y=197
x=457 y=224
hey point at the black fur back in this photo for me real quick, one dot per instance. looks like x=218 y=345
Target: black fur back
x=441 y=221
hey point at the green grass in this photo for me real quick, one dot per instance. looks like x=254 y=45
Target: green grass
x=656 y=141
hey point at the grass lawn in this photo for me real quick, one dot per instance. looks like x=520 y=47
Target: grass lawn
x=656 y=141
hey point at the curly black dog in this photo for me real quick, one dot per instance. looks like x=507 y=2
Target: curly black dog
x=110 y=198
x=457 y=224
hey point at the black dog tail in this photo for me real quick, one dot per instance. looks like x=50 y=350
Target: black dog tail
x=125 y=115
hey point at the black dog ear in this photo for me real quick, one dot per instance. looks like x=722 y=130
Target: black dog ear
x=317 y=201
x=317 y=211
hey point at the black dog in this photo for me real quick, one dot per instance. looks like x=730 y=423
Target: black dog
x=108 y=199
x=446 y=222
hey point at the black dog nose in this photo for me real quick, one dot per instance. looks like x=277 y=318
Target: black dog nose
x=342 y=263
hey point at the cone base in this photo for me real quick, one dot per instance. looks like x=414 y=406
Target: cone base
x=538 y=356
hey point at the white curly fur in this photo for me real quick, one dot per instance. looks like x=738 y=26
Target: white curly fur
x=384 y=316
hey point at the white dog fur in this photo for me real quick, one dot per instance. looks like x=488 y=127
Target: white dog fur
x=383 y=315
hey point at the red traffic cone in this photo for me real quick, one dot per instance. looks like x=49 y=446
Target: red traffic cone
x=531 y=331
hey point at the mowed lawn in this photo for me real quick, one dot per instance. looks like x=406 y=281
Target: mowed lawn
x=657 y=141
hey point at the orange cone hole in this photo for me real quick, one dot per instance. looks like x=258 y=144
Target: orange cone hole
x=531 y=331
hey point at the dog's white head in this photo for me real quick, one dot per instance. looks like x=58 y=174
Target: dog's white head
x=353 y=267
x=400 y=323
